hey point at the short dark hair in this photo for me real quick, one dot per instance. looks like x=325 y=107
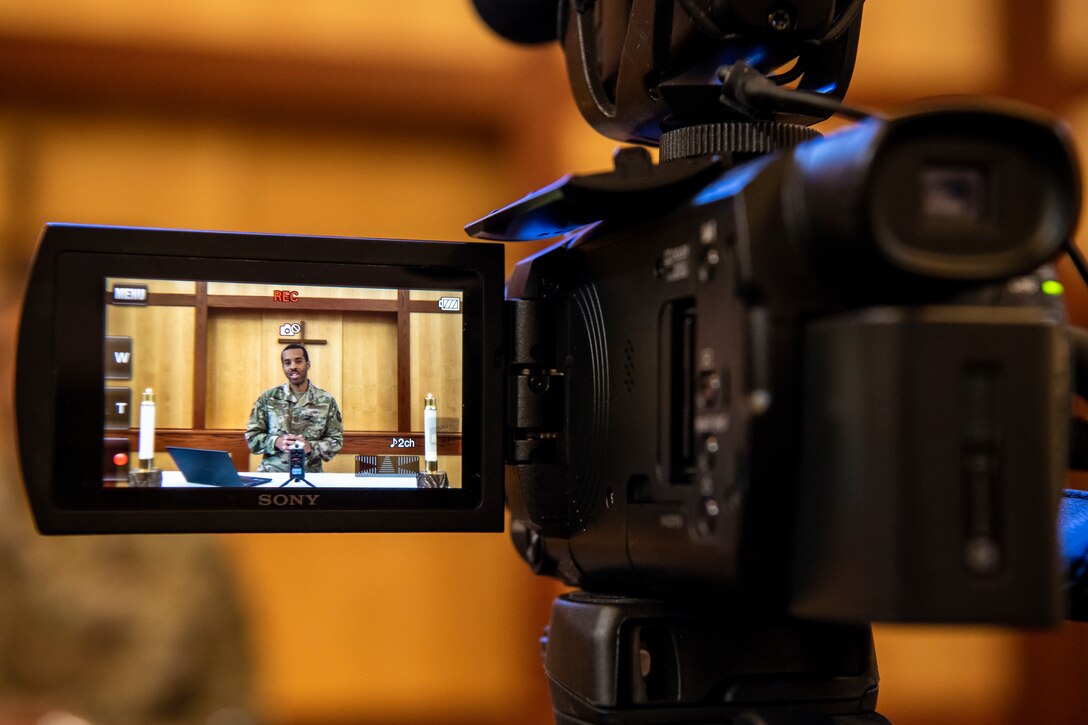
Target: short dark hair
x=296 y=346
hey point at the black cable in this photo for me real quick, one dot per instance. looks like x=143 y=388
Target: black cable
x=747 y=91
x=791 y=99
x=1078 y=260
x=846 y=19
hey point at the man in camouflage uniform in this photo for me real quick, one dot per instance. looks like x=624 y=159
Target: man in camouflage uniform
x=297 y=411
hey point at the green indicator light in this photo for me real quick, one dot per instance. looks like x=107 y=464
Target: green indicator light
x=1052 y=287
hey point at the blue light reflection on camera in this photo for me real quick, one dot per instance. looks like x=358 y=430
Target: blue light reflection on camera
x=731 y=182
x=842 y=149
x=542 y=227
x=1073 y=522
x=756 y=56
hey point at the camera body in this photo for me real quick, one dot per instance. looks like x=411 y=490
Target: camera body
x=782 y=394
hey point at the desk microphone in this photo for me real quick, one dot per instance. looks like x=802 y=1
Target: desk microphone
x=297 y=462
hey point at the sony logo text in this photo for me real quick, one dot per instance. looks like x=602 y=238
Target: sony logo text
x=287 y=499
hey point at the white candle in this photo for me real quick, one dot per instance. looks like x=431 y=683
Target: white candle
x=430 y=433
x=147 y=427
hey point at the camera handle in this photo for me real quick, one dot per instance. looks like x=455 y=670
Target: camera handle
x=624 y=659
x=637 y=188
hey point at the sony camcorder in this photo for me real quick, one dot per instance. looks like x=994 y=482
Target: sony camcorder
x=825 y=378
x=846 y=361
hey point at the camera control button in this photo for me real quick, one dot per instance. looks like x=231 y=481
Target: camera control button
x=710 y=389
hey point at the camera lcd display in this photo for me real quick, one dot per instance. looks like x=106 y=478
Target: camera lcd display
x=209 y=381
x=203 y=374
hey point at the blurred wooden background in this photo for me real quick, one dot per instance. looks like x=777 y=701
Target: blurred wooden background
x=409 y=120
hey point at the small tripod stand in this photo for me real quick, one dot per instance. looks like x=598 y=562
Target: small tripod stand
x=297 y=459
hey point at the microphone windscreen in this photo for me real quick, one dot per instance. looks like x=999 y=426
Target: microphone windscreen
x=522 y=21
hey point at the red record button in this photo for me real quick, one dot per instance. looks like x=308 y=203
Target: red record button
x=120 y=459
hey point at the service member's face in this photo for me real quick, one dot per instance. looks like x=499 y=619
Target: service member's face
x=295 y=366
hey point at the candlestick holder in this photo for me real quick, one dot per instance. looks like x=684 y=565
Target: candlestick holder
x=145 y=478
x=432 y=479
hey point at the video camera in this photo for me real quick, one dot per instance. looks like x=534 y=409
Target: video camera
x=761 y=392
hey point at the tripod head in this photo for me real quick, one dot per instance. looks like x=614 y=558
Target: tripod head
x=641 y=68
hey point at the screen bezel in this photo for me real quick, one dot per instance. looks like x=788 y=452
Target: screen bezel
x=65 y=366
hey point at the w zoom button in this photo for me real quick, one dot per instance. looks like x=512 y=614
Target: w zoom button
x=118 y=364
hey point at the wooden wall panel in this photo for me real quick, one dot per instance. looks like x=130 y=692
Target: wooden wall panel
x=369 y=372
x=436 y=366
x=238 y=367
x=265 y=290
x=452 y=466
x=422 y=295
x=244 y=360
x=162 y=359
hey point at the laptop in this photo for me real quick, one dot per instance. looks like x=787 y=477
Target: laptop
x=210 y=467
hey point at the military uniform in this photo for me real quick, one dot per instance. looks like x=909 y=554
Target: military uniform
x=313 y=415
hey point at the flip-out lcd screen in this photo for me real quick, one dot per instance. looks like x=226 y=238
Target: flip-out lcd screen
x=207 y=381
